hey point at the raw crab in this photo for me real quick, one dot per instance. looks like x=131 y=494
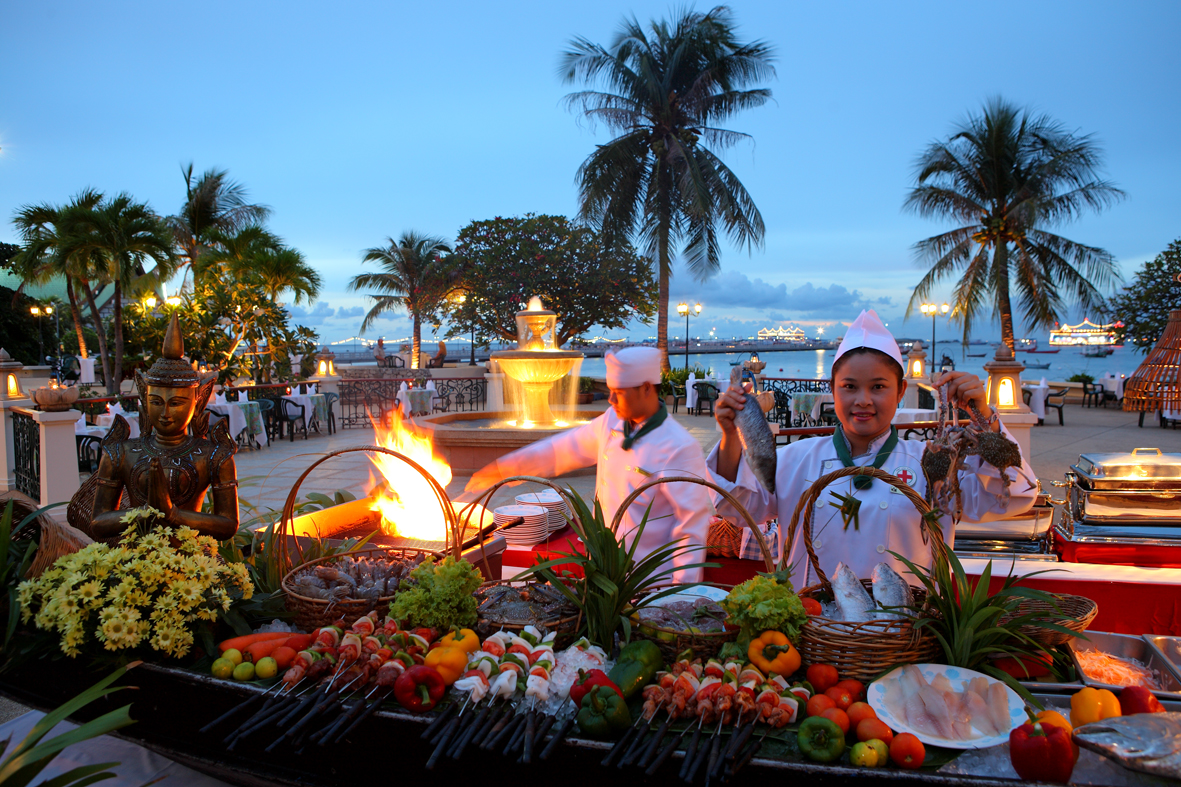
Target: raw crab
x=944 y=456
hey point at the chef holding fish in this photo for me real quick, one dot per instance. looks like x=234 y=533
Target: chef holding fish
x=865 y=519
x=632 y=442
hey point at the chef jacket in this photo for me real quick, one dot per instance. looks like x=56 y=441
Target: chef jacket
x=888 y=521
x=679 y=511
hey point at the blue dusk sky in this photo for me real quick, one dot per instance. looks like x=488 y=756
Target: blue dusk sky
x=358 y=121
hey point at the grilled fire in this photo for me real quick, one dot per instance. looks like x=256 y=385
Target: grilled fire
x=409 y=506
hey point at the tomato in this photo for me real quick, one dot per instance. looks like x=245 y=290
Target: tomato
x=819 y=704
x=854 y=687
x=858 y=711
x=837 y=717
x=812 y=606
x=840 y=697
x=822 y=677
x=283 y=656
x=907 y=751
x=868 y=729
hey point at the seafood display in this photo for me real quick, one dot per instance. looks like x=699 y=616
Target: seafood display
x=758 y=443
x=890 y=591
x=1148 y=742
x=853 y=603
x=699 y=615
x=964 y=711
x=534 y=604
x=357 y=578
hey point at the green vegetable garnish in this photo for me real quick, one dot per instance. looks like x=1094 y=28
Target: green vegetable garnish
x=441 y=597
x=765 y=604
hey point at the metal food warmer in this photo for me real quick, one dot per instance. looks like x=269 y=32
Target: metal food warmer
x=1025 y=536
x=1122 y=509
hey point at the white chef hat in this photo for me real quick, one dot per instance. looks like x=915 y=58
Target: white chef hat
x=868 y=331
x=632 y=367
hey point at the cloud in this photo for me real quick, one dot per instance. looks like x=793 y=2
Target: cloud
x=734 y=290
x=353 y=311
x=319 y=312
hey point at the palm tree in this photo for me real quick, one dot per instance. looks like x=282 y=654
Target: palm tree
x=214 y=205
x=1005 y=175
x=117 y=236
x=415 y=276
x=657 y=179
x=286 y=270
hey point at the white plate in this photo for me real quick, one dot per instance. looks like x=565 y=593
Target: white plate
x=876 y=697
x=547 y=499
x=525 y=511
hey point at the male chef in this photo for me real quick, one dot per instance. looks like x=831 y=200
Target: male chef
x=632 y=442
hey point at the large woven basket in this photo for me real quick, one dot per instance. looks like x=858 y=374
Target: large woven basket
x=858 y=650
x=566 y=627
x=312 y=613
x=1074 y=612
x=703 y=645
x=57 y=540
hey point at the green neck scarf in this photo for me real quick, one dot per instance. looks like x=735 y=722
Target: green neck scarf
x=656 y=420
x=842 y=445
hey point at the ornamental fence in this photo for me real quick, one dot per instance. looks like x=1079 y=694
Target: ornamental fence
x=361 y=399
x=27 y=448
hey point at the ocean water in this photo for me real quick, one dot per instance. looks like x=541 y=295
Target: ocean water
x=817 y=364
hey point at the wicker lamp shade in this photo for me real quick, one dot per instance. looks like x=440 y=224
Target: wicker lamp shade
x=1156 y=384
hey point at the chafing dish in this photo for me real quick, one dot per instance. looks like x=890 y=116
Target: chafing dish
x=1130 y=487
x=1127 y=647
x=1168 y=647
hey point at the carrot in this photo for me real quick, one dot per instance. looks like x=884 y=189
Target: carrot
x=241 y=643
x=283 y=656
x=300 y=642
x=267 y=647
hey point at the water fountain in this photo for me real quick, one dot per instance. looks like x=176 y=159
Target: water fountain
x=537 y=363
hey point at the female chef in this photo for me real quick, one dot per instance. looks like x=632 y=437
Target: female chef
x=868 y=384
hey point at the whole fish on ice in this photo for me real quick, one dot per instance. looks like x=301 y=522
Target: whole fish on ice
x=1148 y=742
x=757 y=441
x=853 y=603
x=890 y=590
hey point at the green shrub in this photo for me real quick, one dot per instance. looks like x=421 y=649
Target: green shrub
x=1081 y=377
x=678 y=376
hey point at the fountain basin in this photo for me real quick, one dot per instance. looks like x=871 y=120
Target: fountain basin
x=467 y=447
x=537 y=371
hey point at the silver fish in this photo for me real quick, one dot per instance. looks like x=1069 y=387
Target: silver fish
x=1148 y=742
x=890 y=590
x=757 y=441
x=853 y=603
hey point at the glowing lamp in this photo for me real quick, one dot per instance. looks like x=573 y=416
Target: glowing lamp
x=174 y=300
x=1004 y=380
x=10 y=370
x=150 y=301
x=35 y=311
x=916 y=362
x=325 y=363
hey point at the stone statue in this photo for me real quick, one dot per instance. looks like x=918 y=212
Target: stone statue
x=167 y=467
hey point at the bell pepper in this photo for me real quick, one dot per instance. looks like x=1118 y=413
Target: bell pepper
x=1056 y=719
x=419 y=688
x=464 y=639
x=821 y=740
x=1091 y=705
x=637 y=665
x=603 y=713
x=1041 y=752
x=450 y=663
x=772 y=652
x=587 y=680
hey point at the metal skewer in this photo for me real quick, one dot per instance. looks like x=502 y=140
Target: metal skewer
x=654 y=746
x=253 y=698
x=746 y=756
x=449 y=731
x=493 y=735
x=494 y=712
x=438 y=722
x=691 y=750
x=669 y=749
x=703 y=752
x=621 y=744
x=373 y=706
x=319 y=707
x=557 y=739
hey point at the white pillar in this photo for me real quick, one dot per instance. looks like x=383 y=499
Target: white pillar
x=59 y=456
x=495 y=392
x=86 y=367
x=7 y=443
x=1019 y=422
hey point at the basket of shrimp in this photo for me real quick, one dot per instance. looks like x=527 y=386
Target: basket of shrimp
x=866 y=625
x=347 y=585
x=514 y=607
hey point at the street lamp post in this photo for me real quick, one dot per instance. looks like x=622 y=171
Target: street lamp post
x=683 y=308
x=36 y=312
x=934 y=310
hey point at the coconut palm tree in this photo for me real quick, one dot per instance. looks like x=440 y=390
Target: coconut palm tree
x=665 y=89
x=415 y=276
x=214 y=205
x=1005 y=175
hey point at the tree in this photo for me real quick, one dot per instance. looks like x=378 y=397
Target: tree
x=504 y=262
x=1006 y=175
x=7 y=252
x=1144 y=306
x=214 y=205
x=415 y=276
x=665 y=89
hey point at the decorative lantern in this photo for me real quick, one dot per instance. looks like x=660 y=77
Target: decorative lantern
x=10 y=371
x=1004 y=380
x=916 y=362
x=325 y=363
x=1156 y=383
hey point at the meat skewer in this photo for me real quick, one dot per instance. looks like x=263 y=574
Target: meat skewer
x=438 y=722
x=746 y=756
x=473 y=729
x=620 y=745
x=670 y=748
x=702 y=753
x=329 y=698
x=253 y=698
x=449 y=731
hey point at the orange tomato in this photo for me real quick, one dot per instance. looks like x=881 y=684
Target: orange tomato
x=812 y=606
x=907 y=751
x=854 y=687
x=283 y=656
x=840 y=697
x=837 y=717
x=860 y=710
x=822 y=677
x=868 y=729
x=818 y=704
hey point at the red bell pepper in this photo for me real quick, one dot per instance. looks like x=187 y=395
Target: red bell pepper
x=587 y=680
x=1041 y=753
x=419 y=688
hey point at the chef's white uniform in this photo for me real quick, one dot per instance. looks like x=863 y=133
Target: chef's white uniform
x=679 y=511
x=889 y=522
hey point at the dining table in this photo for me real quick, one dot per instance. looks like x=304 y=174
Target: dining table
x=315 y=408
x=691 y=392
x=1037 y=398
x=809 y=403
x=244 y=416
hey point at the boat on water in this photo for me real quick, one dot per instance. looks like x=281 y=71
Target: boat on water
x=1036 y=365
x=977 y=355
x=1086 y=334
x=1098 y=352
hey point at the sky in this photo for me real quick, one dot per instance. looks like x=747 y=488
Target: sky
x=356 y=122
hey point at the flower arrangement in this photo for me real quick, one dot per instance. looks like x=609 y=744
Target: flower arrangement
x=150 y=589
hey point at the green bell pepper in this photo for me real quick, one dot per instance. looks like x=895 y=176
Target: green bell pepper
x=603 y=713
x=821 y=740
x=637 y=665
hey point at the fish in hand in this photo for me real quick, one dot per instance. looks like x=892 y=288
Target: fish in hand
x=755 y=435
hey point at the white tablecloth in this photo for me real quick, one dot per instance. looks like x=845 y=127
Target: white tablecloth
x=308 y=401
x=1114 y=384
x=1037 y=399
x=236 y=412
x=106 y=420
x=691 y=392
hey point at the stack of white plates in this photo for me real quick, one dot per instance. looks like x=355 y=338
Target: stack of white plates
x=535 y=527
x=552 y=502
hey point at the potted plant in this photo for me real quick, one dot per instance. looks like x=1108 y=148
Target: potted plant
x=586 y=390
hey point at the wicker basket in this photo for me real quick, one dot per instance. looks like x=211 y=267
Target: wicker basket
x=724 y=538
x=858 y=650
x=57 y=540
x=566 y=628
x=312 y=613
x=1073 y=612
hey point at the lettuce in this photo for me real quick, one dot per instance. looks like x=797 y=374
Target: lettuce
x=441 y=596
x=765 y=604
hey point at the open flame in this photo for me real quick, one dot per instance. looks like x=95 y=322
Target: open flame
x=409 y=507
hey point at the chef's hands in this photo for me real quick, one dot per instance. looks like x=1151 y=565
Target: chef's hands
x=726 y=408
x=483 y=478
x=965 y=387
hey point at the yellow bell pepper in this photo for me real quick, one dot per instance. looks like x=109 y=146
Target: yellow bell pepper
x=1056 y=719
x=772 y=652
x=451 y=663
x=1091 y=705
x=464 y=639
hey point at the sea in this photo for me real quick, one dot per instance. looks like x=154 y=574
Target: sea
x=817 y=364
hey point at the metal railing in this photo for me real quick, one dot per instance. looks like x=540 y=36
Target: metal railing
x=376 y=398
x=27 y=447
x=919 y=430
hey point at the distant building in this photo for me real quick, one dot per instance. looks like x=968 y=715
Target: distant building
x=1085 y=333
x=782 y=334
